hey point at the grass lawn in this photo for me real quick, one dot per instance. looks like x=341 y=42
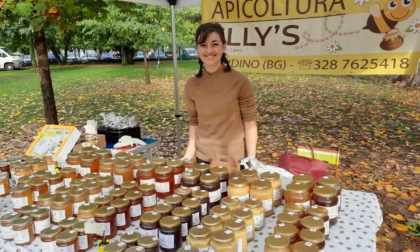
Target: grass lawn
x=374 y=123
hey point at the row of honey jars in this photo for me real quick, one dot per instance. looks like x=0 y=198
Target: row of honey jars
x=278 y=243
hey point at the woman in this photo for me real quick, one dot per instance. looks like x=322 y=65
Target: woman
x=220 y=101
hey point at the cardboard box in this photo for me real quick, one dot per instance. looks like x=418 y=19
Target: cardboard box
x=112 y=136
x=90 y=140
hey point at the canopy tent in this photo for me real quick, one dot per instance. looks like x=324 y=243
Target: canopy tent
x=173 y=4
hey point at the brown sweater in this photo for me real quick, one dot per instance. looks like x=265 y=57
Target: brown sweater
x=218 y=104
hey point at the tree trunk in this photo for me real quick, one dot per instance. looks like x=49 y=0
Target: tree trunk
x=408 y=80
x=45 y=77
x=124 y=60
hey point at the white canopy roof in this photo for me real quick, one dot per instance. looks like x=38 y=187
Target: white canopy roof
x=179 y=4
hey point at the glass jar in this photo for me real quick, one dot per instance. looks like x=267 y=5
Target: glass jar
x=164 y=181
x=330 y=181
x=189 y=162
x=298 y=193
x=179 y=168
x=86 y=212
x=191 y=179
x=104 y=200
x=316 y=237
x=326 y=197
x=305 y=179
x=311 y=222
x=238 y=227
x=149 y=196
x=5 y=167
x=55 y=181
x=41 y=219
x=296 y=208
x=39 y=175
x=275 y=180
x=25 y=180
x=249 y=174
x=118 y=193
x=158 y=161
x=21 y=196
x=212 y=222
x=122 y=155
x=88 y=150
x=203 y=196
x=149 y=224
x=130 y=186
x=107 y=215
x=74 y=160
x=63 y=190
x=107 y=184
x=239 y=188
x=163 y=209
x=68 y=223
x=322 y=213
x=48 y=238
x=4 y=184
x=150 y=243
x=84 y=240
x=26 y=210
x=44 y=200
x=221 y=211
x=276 y=243
x=261 y=189
x=91 y=176
x=184 y=214
x=79 y=196
x=146 y=174
x=195 y=205
x=115 y=247
x=232 y=202
x=199 y=237
x=106 y=166
x=223 y=174
x=303 y=246
x=210 y=183
x=69 y=174
x=122 y=207
x=203 y=168
x=103 y=153
x=67 y=241
x=21 y=170
x=174 y=200
x=38 y=165
x=6 y=225
x=39 y=186
x=224 y=241
x=136 y=160
x=287 y=230
x=258 y=212
x=136 y=202
x=246 y=215
x=23 y=229
x=122 y=172
x=78 y=182
x=130 y=238
x=89 y=163
x=288 y=217
x=61 y=208
x=170 y=238
x=94 y=190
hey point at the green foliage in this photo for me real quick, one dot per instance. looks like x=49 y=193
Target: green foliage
x=413 y=228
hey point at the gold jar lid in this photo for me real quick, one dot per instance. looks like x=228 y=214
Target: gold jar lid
x=211 y=220
x=200 y=194
x=117 y=192
x=91 y=185
x=270 y=175
x=88 y=157
x=158 y=161
x=312 y=222
x=103 y=152
x=39 y=182
x=174 y=163
x=25 y=180
x=288 y=217
x=317 y=211
x=50 y=232
x=235 y=224
x=122 y=155
x=75 y=192
x=68 y=222
x=173 y=199
x=9 y=217
x=148 y=241
x=220 y=210
x=191 y=203
x=191 y=175
x=238 y=182
x=303 y=178
x=311 y=236
x=73 y=155
x=61 y=199
x=67 y=170
x=80 y=226
x=104 y=211
x=242 y=213
x=183 y=191
x=248 y=173
x=224 y=236
x=120 y=163
x=293 y=207
x=41 y=174
x=78 y=182
x=230 y=201
x=103 y=199
x=163 y=208
x=324 y=191
x=129 y=185
x=88 y=207
x=163 y=170
x=26 y=210
x=253 y=203
x=104 y=179
x=138 y=158
x=277 y=242
x=22 y=166
x=202 y=167
x=54 y=176
x=130 y=237
x=118 y=203
x=88 y=150
x=147 y=187
x=189 y=161
x=150 y=217
x=107 y=161
x=22 y=221
x=21 y=188
x=303 y=246
x=170 y=222
x=146 y=167
x=46 y=196
x=219 y=170
x=115 y=247
x=133 y=195
x=261 y=184
x=40 y=212
x=199 y=231
x=329 y=181
x=286 y=229
x=91 y=176
x=181 y=212
x=64 y=189
x=37 y=162
x=297 y=188
x=209 y=178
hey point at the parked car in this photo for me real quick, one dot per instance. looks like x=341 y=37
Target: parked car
x=156 y=55
x=190 y=52
x=27 y=60
x=9 y=61
x=90 y=56
x=170 y=54
x=52 y=59
x=73 y=58
x=107 y=57
x=139 y=55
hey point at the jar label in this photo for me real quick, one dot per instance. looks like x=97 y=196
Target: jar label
x=76 y=206
x=135 y=210
x=184 y=229
x=332 y=211
x=166 y=241
x=152 y=232
x=19 y=202
x=204 y=209
x=268 y=204
x=48 y=246
x=82 y=240
x=149 y=201
x=69 y=248
x=104 y=174
x=134 y=173
x=203 y=249
x=327 y=227
x=147 y=181
x=7 y=232
x=249 y=231
x=259 y=220
x=2 y=191
x=118 y=179
x=21 y=236
x=177 y=179
x=223 y=186
x=121 y=219
x=35 y=195
x=277 y=193
x=196 y=218
x=240 y=245
x=92 y=197
x=58 y=215
x=107 y=228
x=40 y=225
x=83 y=171
x=106 y=190
x=162 y=187
x=77 y=167
x=215 y=195
x=67 y=181
x=55 y=186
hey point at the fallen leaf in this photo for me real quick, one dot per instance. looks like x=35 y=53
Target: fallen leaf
x=397 y=216
x=413 y=208
x=408 y=250
x=400 y=227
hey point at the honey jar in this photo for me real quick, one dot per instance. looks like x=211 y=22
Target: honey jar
x=61 y=208
x=136 y=160
x=149 y=243
x=130 y=186
x=184 y=192
x=39 y=186
x=303 y=246
x=5 y=167
x=184 y=214
x=246 y=215
x=89 y=163
x=74 y=160
x=305 y=179
x=231 y=202
x=115 y=247
x=276 y=243
x=48 y=238
x=224 y=241
x=23 y=229
x=6 y=225
x=316 y=237
x=94 y=190
x=275 y=180
x=191 y=179
x=38 y=165
x=311 y=222
x=189 y=162
x=107 y=184
x=223 y=174
x=203 y=196
x=86 y=212
x=88 y=150
x=199 y=238
x=258 y=212
x=122 y=208
x=178 y=168
x=44 y=200
x=212 y=222
x=26 y=210
x=41 y=219
x=203 y=168
x=149 y=196
x=174 y=200
x=91 y=176
x=69 y=174
x=322 y=213
x=21 y=196
x=104 y=200
x=67 y=240
x=20 y=170
x=84 y=240
x=4 y=184
x=330 y=181
x=238 y=227
x=78 y=182
x=149 y=224
x=288 y=217
x=170 y=238
x=296 y=208
x=79 y=196
x=326 y=197
x=238 y=187
x=122 y=155
x=130 y=238
x=195 y=205
x=249 y=174
x=118 y=193
x=261 y=189
x=122 y=172
x=39 y=175
x=145 y=174
x=158 y=161
x=298 y=193
x=25 y=180
x=106 y=167
x=68 y=223
x=107 y=215
x=136 y=201
x=210 y=183
x=221 y=211
x=55 y=181
x=287 y=230
x=164 y=181
x=64 y=190
x=103 y=153
x=163 y=209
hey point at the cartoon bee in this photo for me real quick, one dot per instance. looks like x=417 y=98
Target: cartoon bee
x=384 y=21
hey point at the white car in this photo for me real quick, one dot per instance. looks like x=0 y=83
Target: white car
x=9 y=61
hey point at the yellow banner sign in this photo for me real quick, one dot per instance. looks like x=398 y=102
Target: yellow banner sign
x=319 y=36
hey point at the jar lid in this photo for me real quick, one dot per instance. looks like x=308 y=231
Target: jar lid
x=201 y=167
x=150 y=218
x=224 y=236
x=122 y=155
x=138 y=157
x=174 y=199
x=199 y=231
x=22 y=221
x=64 y=189
x=209 y=178
x=261 y=184
x=235 y=224
x=118 y=203
x=67 y=170
x=80 y=226
x=294 y=207
x=129 y=184
x=61 y=199
x=317 y=211
x=25 y=210
x=121 y=163
x=88 y=207
x=147 y=187
x=191 y=202
x=211 y=220
x=270 y=175
x=163 y=208
x=115 y=247
x=50 y=232
x=4 y=164
x=170 y=222
x=253 y=203
x=91 y=185
x=130 y=236
x=238 y=182
x=148 y=241
x=48 y=196
x=277 y=242
x=117 y=192
x=74 y=155
x=242 y=213
x=312 y=222
x=40 y=212
x=200 y=194
x=219 y=170
x=37 y=162
x=103 y=152
x=248 y=173
x=183 y=191
x=9 y=217
x=220 y=210
x=191 y=175
x=133 y=195
x=78 y=191
x=288 y=217
x=21 y=188
x=304 y=246
x=297 y=188
x=103 y=179
x=286 y=229
x=162 y=170
x=41 y=174
x=104 y=211
x=88 y=150
x=24 y=179
x=329 y=181
x=324 y=191
x=54 y=176
x=311 y=236
x=22 y=166
x=107 y=161
x=303 y=178
x=181 y=212
x=103 y=199
x=146 y=167
x=91 y=176
x=158 y=161
x=174 y=163
x=78 y=182
x=88 y=157
x=39 y=182
x=68 y=222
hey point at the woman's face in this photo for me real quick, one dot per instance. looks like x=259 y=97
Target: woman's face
x=211 y=51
